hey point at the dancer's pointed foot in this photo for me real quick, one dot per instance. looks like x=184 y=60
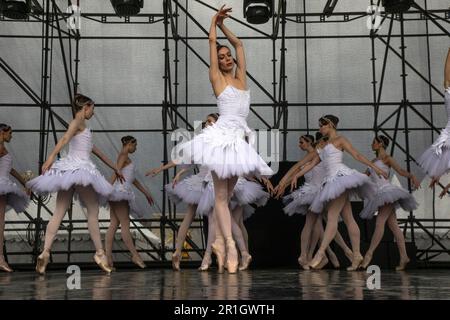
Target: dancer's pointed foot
x=42 y=262
x=367 y=260
x=102 y=261
x=137 y=260
x=334 y=260
x=356 y=262
x=303 y=262
x=4 y=265
x=320 y=255
x=206 y=263
x=176 y=259
x=232 y=256
x=245 y=261
x=218 y=247
x=402 y=264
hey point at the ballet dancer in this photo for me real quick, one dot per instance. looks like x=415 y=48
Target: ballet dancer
x=122 y=202
x=75 y=174
x=436 y=159
x=387 y=199
x=222 y=147
x=11 y=196
x=299 y=201
x=339 y=183
x=189 y=191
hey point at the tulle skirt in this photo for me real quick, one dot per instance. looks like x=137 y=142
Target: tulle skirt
x=356 y=183
x=433 y=164
x=69 y=172
x=16 y=198
x=224 y=151
x=299 y=201
x=124 y=192
x=389 y=194
x=188 y=190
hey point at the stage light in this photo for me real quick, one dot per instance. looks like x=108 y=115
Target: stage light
x=126 y=8
x=397 y=6
x=258 y=11
x=17 y=10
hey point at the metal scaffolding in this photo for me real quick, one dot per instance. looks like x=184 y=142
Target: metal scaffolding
x=51 y=20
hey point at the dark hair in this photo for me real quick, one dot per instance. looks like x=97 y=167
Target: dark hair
x=383 y=139
x=127 y=139
x=219 y=46
x=319 y=137
x=79 y=101
x=308 y=138
x=4 y=127
x=203 y=124
x=214 y=115
x=329 y=119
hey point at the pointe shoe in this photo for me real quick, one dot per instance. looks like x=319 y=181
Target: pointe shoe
x=303 y=263
x=101 y=260
x=349 y=256
x=176 y=258
x=334 y=261
x=232 y=256
x=218 y=249
x=402 y=265
x=206 y=263
x=366 y=261
x=42 y=262
x=317 y=260
x=322 y=264
x=245 y=262
x=5 y=267
x=137 y=260
x=355 y=263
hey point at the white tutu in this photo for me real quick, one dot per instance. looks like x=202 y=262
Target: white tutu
x=339 y=179
x=188 y=190
x=436 y=159
x=298 y=202
x=16 y=198
x=222 y=146
x=389 y=194
x=124 y=192
x=386 y=193
x=76 y=169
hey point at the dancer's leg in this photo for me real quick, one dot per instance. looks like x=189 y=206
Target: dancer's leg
x=382 y=217
x=305 y=239
x=223 y=190
x=238 y=236
x=112 y=229
x=181 y=236
x=206 y=262
x=334 y=209
x=354 y=234
x=3 y=265
x=400 y=239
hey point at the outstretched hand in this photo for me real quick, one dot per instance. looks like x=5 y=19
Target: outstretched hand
x=433 y=182
x=153 y=172
x=444 y=192
x=222 y=14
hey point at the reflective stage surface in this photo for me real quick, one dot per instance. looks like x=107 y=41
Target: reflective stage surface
x=253 y=284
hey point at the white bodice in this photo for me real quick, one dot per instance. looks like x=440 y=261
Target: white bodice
x=128 y=173
x=379 y=180
x=331 y=158
x=5 y=165
x=234 y=107
x=80 y=146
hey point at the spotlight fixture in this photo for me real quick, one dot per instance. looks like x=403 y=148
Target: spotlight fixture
x=258 y=11
x=126 y=8
x=14 y=9
x=397 y=6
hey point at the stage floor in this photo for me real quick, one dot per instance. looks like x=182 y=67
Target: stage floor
x=253 y=284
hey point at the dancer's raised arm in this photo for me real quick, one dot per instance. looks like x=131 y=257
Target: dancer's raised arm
x=108 y=162
x=347 y=146
x=392 y=163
